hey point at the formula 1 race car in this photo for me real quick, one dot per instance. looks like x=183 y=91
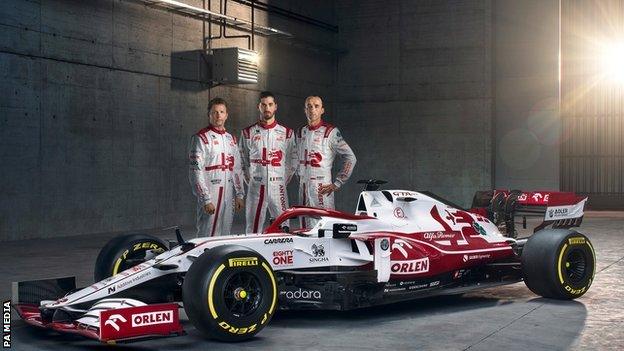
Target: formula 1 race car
x=400 y=245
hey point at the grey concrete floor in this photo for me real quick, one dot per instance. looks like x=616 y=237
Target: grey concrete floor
x=509 y=317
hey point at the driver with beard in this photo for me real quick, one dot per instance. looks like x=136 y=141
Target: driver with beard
x=269 y=159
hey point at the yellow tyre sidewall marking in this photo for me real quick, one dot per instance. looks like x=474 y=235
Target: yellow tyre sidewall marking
x=125 y=254
x=213 y=280
x=117 y=264
x=593 y=258
x=119 y=261
x=268 y=269
x=559 y=267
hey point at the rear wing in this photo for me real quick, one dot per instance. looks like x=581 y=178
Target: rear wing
x=503 y=207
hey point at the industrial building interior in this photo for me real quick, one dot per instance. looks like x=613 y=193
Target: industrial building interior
x=98 y=100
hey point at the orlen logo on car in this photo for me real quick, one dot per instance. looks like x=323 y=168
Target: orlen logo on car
x=410 y=267
x=151 y=318
x=114 y=319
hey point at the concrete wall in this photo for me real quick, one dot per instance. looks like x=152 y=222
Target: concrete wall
x=415 y=97
x=526 y=84
x=97 y=102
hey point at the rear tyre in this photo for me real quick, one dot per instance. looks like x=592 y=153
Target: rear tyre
x=126 y=251
x=230 y=293
x=558 y=264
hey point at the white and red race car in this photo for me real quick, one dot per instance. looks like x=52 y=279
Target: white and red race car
x=400 y=245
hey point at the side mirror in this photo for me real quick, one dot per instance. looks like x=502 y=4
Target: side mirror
x=343 y=230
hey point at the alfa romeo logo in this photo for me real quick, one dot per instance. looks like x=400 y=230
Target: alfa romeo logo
x=398 y=213
x=384 y=244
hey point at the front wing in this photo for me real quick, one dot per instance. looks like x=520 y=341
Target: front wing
x=108 y=321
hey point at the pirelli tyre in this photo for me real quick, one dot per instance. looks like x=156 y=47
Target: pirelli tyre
x=230 y=293
x=558 y=263
x=126 y=251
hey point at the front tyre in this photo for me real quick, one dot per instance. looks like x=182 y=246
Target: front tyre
x=126 y=251
x=230 y=293
x=558 y=264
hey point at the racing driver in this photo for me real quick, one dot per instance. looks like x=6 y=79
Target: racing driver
x=215 y=173
x=269 y=161
x=318 y=142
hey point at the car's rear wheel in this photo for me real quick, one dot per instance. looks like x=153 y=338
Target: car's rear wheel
x=558 y=263
x=126 y=251
x=230 y=293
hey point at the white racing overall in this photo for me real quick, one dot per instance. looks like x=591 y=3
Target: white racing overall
x=216 y=177
x=317 y=147
x=269 y=161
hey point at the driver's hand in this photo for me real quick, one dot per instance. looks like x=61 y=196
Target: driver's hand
x=327 y=189
x=239 y=204
x=209 y=208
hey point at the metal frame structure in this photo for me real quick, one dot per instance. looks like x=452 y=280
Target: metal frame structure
x=214 y=17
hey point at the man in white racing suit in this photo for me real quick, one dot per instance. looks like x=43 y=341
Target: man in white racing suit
x=318 y=143
x=269 y=160
x=215 y=173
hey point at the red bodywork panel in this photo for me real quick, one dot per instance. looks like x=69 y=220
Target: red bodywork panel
x=427 y=254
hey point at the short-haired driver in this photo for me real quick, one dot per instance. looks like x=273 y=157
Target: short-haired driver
x=215 y=173
x=318 y=144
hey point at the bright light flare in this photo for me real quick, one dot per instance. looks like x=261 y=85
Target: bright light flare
x=612 y=62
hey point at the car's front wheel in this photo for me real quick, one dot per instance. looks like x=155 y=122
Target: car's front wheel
x=126 y=251
x=558 y=263
x=230 y=293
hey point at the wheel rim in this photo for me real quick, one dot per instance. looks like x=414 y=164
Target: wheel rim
x=576 y=266
x=242 y=294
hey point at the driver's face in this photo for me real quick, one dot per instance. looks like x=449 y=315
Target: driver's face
x=267 y=108
x=314 y=108
x=218 y=115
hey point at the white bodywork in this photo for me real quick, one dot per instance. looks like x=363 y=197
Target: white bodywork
x=565 y=211
x=408 y=212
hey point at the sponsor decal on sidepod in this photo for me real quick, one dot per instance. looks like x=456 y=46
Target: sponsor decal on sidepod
x=278 y=241
x=319 y=254
x=467 y=258
x=410 y=267
x=302 y=294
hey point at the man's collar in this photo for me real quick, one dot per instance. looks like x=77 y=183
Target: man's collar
x=321 y=123
x=214 y=129
x=268 y=126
